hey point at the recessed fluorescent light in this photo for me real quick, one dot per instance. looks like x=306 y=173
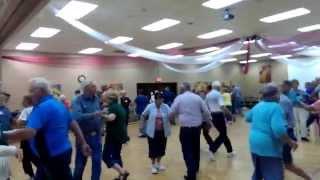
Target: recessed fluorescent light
x=214 y=34
x=133 y=55
x=309 y=28
x=27 y=46
x=285 y=15
x=261 y=55
x=206 y=50
x=291 y=43
x=250 y=61
x=161 y=24
x=45 y=32
x=218 y=4
x=90 y=51
x=229 y=60
x=249 y=42
x=120 y=40
x=169 y=46
x=282 y=56
x=76 y=10
x=241 y=52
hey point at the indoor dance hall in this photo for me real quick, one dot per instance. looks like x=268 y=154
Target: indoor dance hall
x=159 y=90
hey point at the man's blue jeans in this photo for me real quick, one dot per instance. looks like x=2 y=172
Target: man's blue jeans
x=95 y=144
x=267 y=168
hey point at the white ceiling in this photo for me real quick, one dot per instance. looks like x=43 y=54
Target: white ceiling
x=126 y=17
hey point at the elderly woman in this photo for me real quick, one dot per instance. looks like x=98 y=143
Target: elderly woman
x=267 y=136
x=116 y=133
x=157 y=130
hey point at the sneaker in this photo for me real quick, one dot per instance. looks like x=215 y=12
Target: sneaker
x=142 y=136
x=154 y=170
x=212 y=156
x=161 y=168
x=305 y=139
x=231 y=154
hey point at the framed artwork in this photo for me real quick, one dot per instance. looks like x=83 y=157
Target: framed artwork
x=265 y=74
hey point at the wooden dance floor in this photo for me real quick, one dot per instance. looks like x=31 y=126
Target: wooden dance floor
x=136 y=160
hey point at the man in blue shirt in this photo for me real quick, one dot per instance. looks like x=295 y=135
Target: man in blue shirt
x=87 y=112
x=141 y=102
x=287 y=107
x=47 y=129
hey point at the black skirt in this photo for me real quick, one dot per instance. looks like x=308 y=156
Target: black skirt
x=157 y=145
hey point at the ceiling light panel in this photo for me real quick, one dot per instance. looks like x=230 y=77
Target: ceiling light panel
x=161 y=25
x=282 y=56
x=76 y=10
x=45 y=32
x=309 y=28
x=250 y=61
x=27 y=46
x=241 y=52
x=214 y=34
x=229 y=60
x=218 y=4
x=261 y=55
x=170 y=46
x=120 y=40
x=285 y=15
x=90 y=51
x=206 y=50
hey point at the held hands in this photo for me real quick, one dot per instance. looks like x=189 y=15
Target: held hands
x=86 y=150
x=293 y=145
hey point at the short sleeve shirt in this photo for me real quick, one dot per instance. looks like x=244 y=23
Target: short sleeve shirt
x=52 y=119
x=25 y=113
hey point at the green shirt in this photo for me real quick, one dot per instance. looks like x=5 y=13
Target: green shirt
x=116 y=130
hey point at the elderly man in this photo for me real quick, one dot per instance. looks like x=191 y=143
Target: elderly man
x=216 y=107
x=268 y=134
x=47 y=128
x=192 y=112
x=87 y=112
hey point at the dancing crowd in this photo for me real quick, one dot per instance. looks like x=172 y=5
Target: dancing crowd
x=283 y=113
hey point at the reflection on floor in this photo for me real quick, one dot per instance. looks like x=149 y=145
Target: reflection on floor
x=238 y=168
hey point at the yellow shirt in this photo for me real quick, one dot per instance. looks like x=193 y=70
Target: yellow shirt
x=227 y=99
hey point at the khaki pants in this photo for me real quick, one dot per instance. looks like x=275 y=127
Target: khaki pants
x=301 y=116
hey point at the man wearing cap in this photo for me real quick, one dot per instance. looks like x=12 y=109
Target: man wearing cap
x=192 y=113
x=215 y=103
x=87 y=111
x=268 y=134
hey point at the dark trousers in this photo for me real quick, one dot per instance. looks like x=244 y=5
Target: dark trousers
x=220 y=124
x=56 y=168
x=312 y=117
x=112 y=154
x=267 y=168
x=286 y=153
x=27 y=158
x=190 y=143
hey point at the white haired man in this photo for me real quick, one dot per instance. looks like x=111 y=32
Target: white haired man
x=192 y=113
x=47 y=128
x=215 y=103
